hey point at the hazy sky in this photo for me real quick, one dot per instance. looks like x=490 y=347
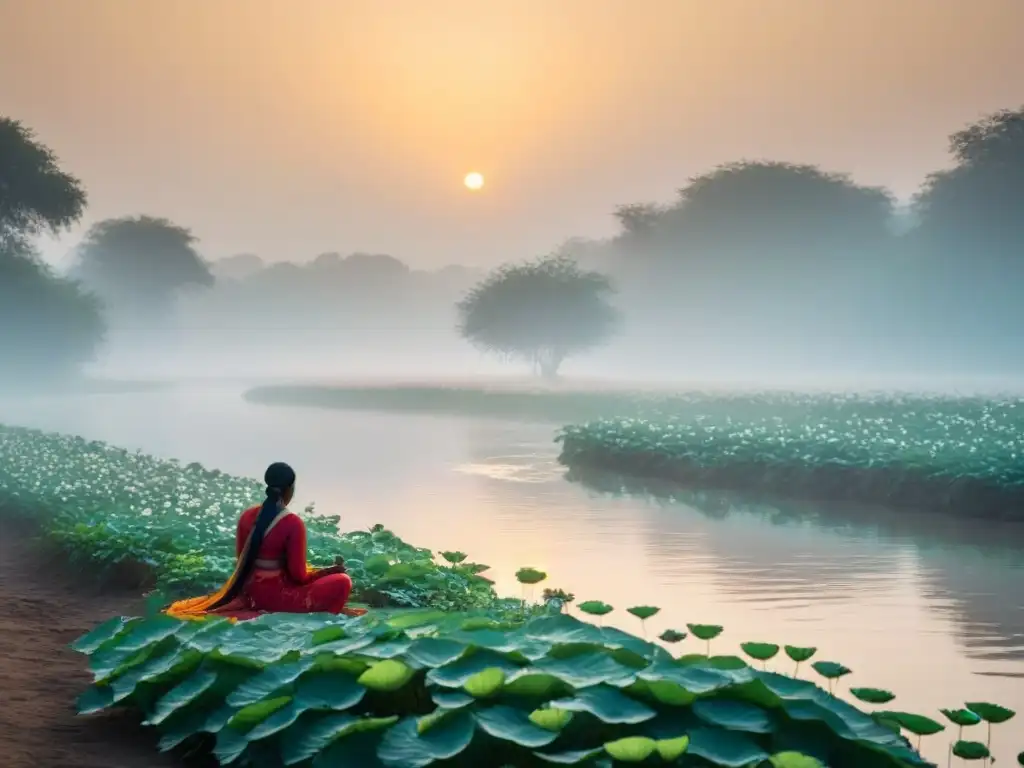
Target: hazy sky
x=288 y=128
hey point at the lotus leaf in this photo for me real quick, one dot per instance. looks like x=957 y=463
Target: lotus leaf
x=961 y=717
x=643 y=612
x=485 y=683
x=530 y=576
x=919 y=725
x=671 y=750
x=705 y=631
x=551 y=718
x=798 y=654
x=403 y=746
x=595 y=608
x=990 y=713
x=970 y=750
x=873 y=695
x=512 y=724
x=387 y=675
x=794 y=760
x=830 y=669
x=760 y=651
x=631 y=749
x=672 y=636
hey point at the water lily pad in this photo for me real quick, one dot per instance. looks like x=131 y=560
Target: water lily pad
x=799 y=654
x=434 y=651
x=672 y=749
x=643 y=612
x=403 y=746
x=672 y=636
x=919 y=725
x=485 y=683
x=530 y=576
x=760 y=651
x=328 y=690
x=970 y=750
x=705 y=631
x=725 y=748
x=551 y=718
x=512 y=724
x=831 y=670
x=387 y=675
x=873 y=695
x=990 y=713
x=607 y=704
x=631 y=749
x=961 y=717
x=268 y=681
x=794 y=760
x=733 y=715
x=595 y=608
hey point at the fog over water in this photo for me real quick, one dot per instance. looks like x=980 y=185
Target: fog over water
x=677 y=197
x=930 y=609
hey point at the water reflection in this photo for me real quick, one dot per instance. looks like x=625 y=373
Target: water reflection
x=926 y=606
x=774 y=554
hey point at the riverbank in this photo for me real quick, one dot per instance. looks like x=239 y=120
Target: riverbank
x=172 y=525
x=953 y=455
x=44 y=607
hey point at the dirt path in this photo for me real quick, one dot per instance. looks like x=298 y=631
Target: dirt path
x=43 y=608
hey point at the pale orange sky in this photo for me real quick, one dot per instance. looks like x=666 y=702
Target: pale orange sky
x=292 y=128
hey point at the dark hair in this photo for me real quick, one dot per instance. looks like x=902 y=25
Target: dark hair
x=279 y=477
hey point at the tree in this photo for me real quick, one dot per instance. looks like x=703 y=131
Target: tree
x=540 y=311
x=974 y=208
x=36 y=196
x=138 y=265
x=59 y=327
x=50 y=327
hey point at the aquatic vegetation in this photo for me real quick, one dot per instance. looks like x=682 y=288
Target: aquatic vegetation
x=416 y=688
x=176 y=522
x=955 y=454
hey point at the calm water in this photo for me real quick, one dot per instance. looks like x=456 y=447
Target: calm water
x=929 y=608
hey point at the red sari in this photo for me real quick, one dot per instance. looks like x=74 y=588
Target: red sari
x=280 y=582
x=292 y=586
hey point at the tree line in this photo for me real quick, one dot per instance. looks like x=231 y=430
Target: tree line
x=753 y=262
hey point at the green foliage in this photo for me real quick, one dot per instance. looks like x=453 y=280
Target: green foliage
x=36 y=196
x=51 y=327
x=114 y=508
x=990 y=713
x=961 y=717
x=672 y=636
x=643 y=612
x=873 y=695
x=970 y=750
x=595 y=608
x=139 y=263
x=417 y=688
x=540 y=311
x=901 y=450
x=530 y=576
x=760 y=651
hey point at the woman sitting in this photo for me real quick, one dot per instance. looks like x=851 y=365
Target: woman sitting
x=271 y=574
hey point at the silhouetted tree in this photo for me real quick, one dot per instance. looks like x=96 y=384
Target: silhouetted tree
x=35 y=194
x=139 y=265
x=541 y=311
x=974 y=211
x=50 y=327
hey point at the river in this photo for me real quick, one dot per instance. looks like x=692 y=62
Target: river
x=928 y=608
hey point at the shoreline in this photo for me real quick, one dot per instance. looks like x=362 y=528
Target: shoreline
x=44 y=606
x=893 y=488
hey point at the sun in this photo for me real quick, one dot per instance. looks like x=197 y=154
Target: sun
x=473 y=180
